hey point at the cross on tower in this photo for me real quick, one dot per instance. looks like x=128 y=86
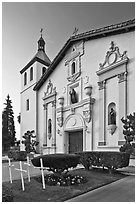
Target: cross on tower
x=41 y=31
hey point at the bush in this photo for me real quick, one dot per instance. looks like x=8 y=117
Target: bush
x=129 y=134
x=129 y=148
x=17 y=155
x=110 y=160
x=29 y=141
x=7 y=195
x=57 y=163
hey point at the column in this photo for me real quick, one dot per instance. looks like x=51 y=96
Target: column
x=45 y=126
x=102 y=113
x=54 y=123
x=122 y=103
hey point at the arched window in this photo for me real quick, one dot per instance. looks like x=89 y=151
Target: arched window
x=25 y=78
x=31 y=73
x=73 y=68
x=112 y=114
x=43 y=70
x=27 y=104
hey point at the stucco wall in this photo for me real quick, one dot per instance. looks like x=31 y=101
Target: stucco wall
x=94 y=53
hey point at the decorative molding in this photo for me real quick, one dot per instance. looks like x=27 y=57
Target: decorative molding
x=112 y=56
x=74 y=56
x=64 y=90
x=101 y=143
x=72 y=109
x=102 y=84
x=123 y=76
x=72 y=78
x=60 y=121
x=111 y=128
x=87 y=110
x=87 y=115
x=50 y=89
x=54 y=103
x=77 y=105
x=121 y=142
x=86 y=79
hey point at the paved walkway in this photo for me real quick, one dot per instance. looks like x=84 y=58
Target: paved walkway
x=16 y=174
x=122 y=190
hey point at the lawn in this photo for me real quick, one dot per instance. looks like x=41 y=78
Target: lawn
x=34 y=193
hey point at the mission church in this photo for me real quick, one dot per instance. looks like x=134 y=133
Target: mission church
x=76 y=102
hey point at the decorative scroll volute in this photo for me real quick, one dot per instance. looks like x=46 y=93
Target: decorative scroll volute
x=113 y=56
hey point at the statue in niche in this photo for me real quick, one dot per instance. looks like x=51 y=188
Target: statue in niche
x=73 y=96
x=112 y=116
x=49 y=128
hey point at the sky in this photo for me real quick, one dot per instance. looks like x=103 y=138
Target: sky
x=21 y=25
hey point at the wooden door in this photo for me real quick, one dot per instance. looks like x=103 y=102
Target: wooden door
x=75 y=141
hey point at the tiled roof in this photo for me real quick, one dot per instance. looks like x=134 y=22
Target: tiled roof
x=92 y=34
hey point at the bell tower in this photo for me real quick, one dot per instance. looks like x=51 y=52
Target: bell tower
x=30 y=75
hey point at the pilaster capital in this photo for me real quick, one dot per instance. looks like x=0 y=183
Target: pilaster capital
x=102 y=84
x=122 y=76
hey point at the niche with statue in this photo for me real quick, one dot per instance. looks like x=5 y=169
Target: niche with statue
x=112 y=118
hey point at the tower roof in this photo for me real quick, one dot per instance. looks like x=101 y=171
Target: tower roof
x=40 y=56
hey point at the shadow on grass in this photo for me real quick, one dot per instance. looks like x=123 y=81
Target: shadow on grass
x=34 y=193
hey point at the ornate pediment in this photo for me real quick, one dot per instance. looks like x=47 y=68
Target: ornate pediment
x=50 y=89
x=113 y=56
x=73 y=61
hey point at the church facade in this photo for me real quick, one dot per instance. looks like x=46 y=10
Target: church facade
x=78 y=103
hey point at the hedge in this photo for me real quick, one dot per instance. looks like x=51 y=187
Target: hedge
x=57 y=162
x=110 y=160
x=17 y=155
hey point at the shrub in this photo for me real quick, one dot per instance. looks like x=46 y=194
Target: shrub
x=7 y=195
x=57 y=163
x=110 y=160
x=17 y=155
x=129 y=134
x=29 y=142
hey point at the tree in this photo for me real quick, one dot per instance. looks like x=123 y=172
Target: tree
x=19 y=118
x=129 y=133
x=8 y=127
x=29 y=142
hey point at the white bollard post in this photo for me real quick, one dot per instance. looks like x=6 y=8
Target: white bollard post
x=42 y=172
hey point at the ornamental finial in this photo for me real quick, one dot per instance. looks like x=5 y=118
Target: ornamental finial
x=41 y=31
x=75 y=31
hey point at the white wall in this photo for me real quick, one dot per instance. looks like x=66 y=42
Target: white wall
x=94 y=53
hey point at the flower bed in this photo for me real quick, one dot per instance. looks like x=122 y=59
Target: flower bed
x=66 y=180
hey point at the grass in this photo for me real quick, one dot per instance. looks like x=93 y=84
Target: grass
x=35 y=193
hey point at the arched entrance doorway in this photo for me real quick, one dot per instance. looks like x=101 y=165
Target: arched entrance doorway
x=74 y=134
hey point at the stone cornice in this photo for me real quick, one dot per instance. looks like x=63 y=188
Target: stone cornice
x=113 y=66
x=77 y=105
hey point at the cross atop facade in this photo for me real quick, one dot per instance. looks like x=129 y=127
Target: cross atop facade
x=75 y=31
x=112 y=45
